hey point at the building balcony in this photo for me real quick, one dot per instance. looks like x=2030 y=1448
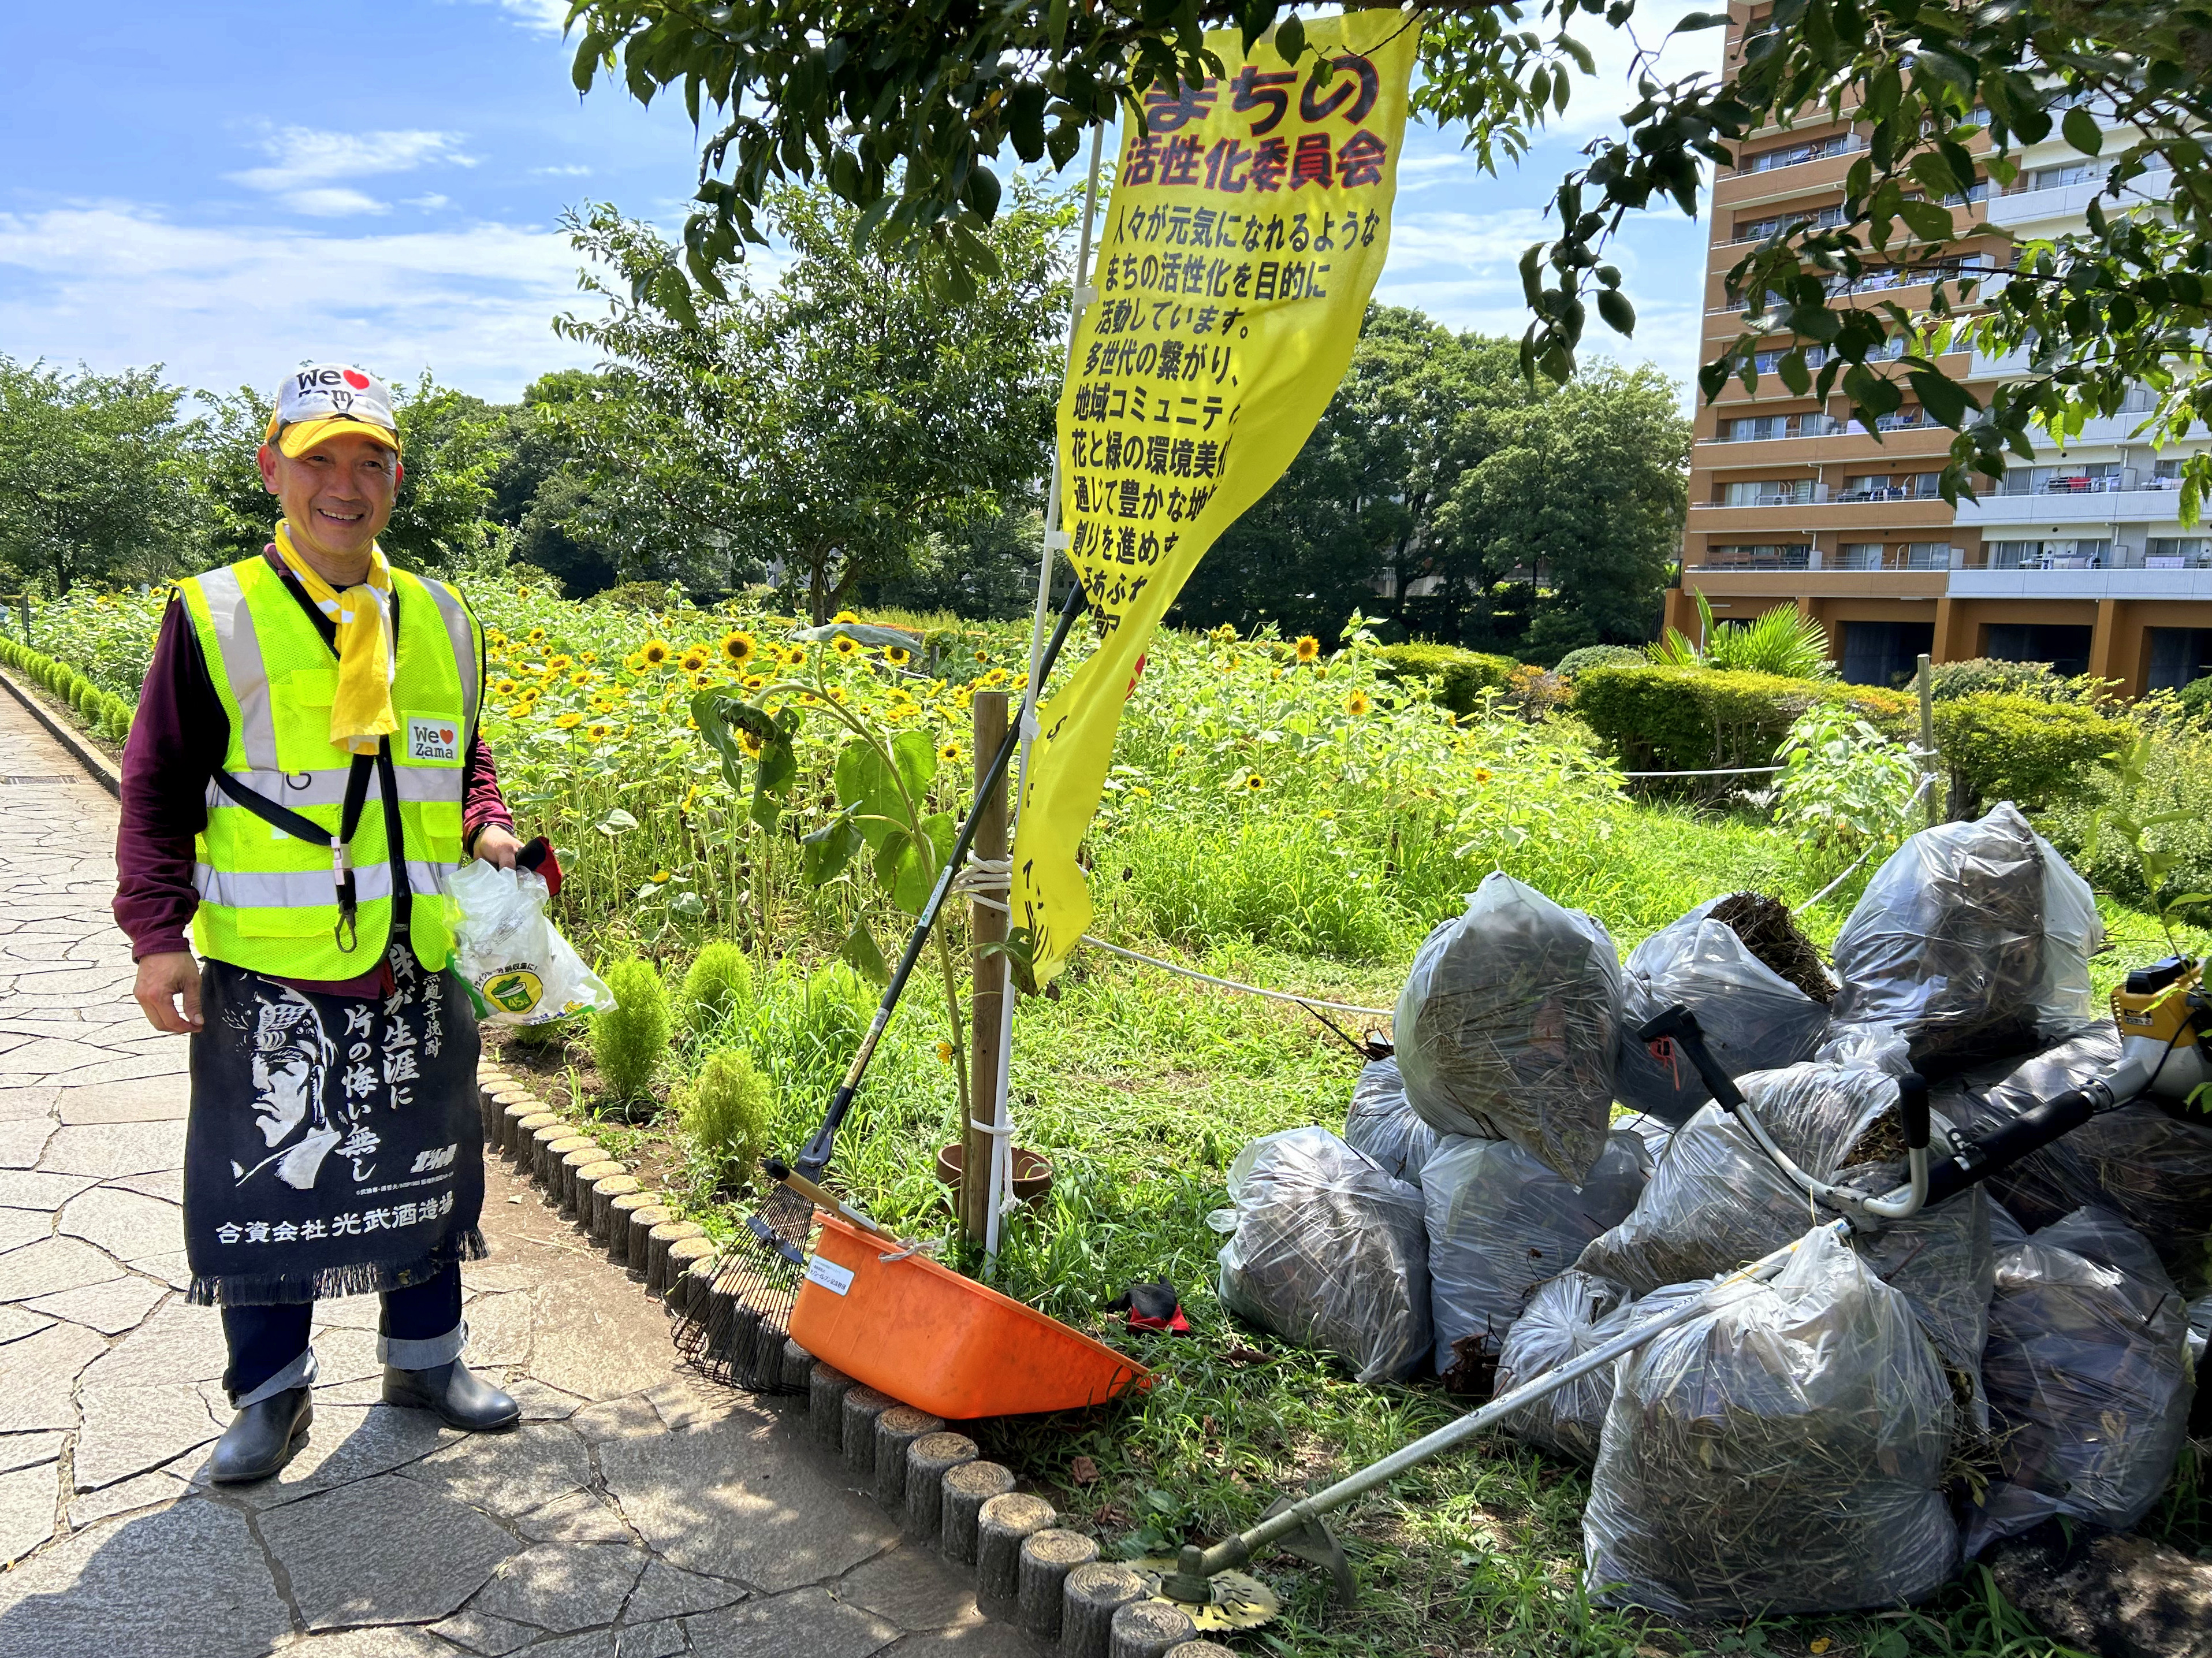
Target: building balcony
x=2068 y=581
x=2125 y=500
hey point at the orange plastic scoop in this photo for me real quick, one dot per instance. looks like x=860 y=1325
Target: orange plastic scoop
x=942 y=1343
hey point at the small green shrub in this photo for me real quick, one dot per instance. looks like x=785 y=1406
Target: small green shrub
x=1848 y=791
x=1459 y=676
x=726 y=1113
x=630 y=1040
x=1948 y=681
x=1589 y=656
x=2195 y=698
x=1785 y=642
x=2033 y=754
x=717 y=987
x=2172 y=797
x=1684 y=719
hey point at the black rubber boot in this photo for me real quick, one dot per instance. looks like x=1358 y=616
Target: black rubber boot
x=461 y=1399
x=262 y=1437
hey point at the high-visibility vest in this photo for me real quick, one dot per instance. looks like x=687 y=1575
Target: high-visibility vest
x=269 y=900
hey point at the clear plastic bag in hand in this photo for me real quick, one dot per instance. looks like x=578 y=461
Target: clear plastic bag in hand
x=517 y=967
x=1509 y=1026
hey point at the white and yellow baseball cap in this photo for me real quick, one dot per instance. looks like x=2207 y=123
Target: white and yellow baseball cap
x=326 y=400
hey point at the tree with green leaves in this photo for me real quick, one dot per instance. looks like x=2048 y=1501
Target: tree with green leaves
x=1587 y=489
x=93 y=481
x=827 y=424
x=903 y=110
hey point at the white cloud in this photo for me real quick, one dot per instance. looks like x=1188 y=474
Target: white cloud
x=304 y=161
x=117 y=283
x=428 y=204
x=572 y=171
x=333 y=202
x=539 y=16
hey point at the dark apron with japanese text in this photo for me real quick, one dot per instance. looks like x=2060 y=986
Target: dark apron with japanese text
x=334 y=1146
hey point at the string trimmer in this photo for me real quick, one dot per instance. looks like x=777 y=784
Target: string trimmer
x=739 y=1338
x=2162 y=1012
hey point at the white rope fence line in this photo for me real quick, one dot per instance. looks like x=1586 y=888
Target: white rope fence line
x=1715 y=771
x=986 y=880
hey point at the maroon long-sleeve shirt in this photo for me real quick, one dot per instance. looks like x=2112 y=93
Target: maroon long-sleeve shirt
x=178 y=741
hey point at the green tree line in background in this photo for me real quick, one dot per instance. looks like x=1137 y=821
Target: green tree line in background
x=847 y=432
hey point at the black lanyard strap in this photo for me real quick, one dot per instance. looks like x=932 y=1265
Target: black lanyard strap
x=285 y=819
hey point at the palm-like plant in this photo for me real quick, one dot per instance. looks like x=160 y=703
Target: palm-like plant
x=1785 y=640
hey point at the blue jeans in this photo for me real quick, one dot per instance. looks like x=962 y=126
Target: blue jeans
x=420 y=1329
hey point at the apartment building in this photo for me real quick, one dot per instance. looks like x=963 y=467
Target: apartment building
x=2079 y=559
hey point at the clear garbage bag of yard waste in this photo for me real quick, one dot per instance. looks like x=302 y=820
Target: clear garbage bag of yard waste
x=1780 y=1453
x=1508 y=1025
x=1752 y=1018
x=518 y=969
x=1383 y=1124
x=1973 y=939
x=1499 y=1224
x=2148 y=1163
x=1329 y=1252
x=1566 y=1319
x=1717 y=1202
x=2089 y=1379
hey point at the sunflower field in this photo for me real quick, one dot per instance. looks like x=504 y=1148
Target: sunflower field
x=1275 y=813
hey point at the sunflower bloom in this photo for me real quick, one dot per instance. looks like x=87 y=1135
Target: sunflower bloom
x=844 y=616
x=557 y=664
x=535 y=636
x=1356 y=703
x=1481 y=774
x=897 y=656
x=503 y=688
x=581 y=677
x=692 y=660
x=1255 y=782
x=656 y=653
x=750 y=742
x=661 y=877
x=948 y=753
x=568 y=722
x=943 y=1053
x=843 y=645
x=599 y=731
x=1308 y=648
x=739 y=648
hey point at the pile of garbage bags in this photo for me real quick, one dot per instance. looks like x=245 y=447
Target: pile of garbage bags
x=2089 y=1378
x=1328 y=1251
x=1752 y=1018
x=1793 y=1446
x=1509 y=1026
x=1972 y=940
x=1782 y=1451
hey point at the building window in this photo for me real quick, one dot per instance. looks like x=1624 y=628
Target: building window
x=2050 y=555
x=1859 y=555
x=1769 y=492
x=1755 y=428
x=2177 y=656
x=1761 y=555
x=1885 y=653
x=1839 y=143
x=2065 y=649
x=1819 y=218
x=2176 y=552
x=1884 y=486
x=1928 y=555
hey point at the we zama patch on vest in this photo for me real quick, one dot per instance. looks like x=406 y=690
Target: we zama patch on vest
x=433 y=738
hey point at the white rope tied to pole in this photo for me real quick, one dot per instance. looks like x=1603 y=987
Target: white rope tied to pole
x=980 y=878
x=1211 y=979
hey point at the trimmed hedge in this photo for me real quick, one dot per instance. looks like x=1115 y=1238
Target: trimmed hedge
x=1589 y=656
x=1689 y=719
x=100 y=712
x=1459 y=676
x=2035 y=753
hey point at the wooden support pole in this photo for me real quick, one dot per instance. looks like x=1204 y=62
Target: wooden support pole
x=1926 y=685
x=896 y=1429
x=1002 y=1525
x=986 y=1007
x=927 y=1460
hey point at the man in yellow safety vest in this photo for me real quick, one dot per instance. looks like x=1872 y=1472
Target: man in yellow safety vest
x=303 y=778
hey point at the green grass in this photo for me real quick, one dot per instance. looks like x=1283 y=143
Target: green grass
x=1141 y=1086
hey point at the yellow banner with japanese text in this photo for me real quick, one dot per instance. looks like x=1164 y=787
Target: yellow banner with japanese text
x=1249 y=221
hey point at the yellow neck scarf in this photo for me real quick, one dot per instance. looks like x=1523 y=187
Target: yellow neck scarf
x=361 y=712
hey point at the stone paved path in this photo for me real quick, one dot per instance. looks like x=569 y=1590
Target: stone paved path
x=634 y=1513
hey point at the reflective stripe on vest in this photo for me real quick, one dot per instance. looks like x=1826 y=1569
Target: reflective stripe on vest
x=301 y=889
x=268 y=901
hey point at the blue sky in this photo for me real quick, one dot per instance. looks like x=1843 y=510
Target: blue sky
x=227 y=188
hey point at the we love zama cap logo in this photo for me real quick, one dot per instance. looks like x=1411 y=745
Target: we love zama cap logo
x=320 y=402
